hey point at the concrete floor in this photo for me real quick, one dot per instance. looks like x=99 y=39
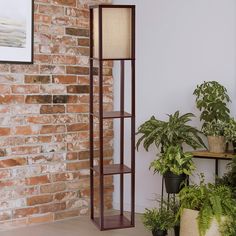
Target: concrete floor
x=75 y=227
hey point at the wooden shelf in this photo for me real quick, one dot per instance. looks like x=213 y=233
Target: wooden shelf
x=114 y=222
x=114 y=114
x=211 y=155
x=113 y=169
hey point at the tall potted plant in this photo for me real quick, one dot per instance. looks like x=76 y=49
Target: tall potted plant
x=158 y=221
x=205 y=209
x=175 y=165
x=212 y=100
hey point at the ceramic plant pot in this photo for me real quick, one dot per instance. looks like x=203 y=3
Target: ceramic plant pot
x=173 y=182
x=189 y=225
x=216 y=144
x=159 y=232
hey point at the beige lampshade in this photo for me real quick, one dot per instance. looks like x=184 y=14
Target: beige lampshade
x=116 y=33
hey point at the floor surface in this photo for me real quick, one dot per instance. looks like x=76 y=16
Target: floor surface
x=76 y=227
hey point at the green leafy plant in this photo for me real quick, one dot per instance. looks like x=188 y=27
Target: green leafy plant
x=230 y=130
x=172 y=204
x=229 y=178
x=229 y=227
x=211 y=201
x=173 y=132
x=158 y=219
x=214 y=128
x=212 y=99
x=175 y=161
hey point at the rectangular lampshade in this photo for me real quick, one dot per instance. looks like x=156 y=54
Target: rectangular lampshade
x=116 y=23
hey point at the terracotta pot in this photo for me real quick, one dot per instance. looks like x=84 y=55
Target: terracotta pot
x=216 y=144
x=189 y=225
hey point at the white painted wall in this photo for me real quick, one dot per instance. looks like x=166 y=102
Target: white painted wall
x=180 y=43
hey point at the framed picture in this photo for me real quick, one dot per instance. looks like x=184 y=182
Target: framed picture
x=16 y=31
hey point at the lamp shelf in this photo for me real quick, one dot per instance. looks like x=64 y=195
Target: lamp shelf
x=113 y=115
x=112 y=38
x=113 y=169
x=113 y=222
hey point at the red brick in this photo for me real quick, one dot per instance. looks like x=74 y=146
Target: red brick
x=53 y=188
x=47 y=109
x=37 y=79
x=66 y=79
x=43 y=179
x=13 y=162
x=48 y=129
x=5 y=131
x=24 y=212
x=37 y=200
x=25 y=130
x=78 y=108
x=77 y=70
x=41 y=99
x=77 y=165
x=77 y=127
x=52 y=207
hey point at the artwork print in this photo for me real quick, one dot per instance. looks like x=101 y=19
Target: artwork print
x=16 y=31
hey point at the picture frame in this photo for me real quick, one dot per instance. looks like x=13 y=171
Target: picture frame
x=16 y=31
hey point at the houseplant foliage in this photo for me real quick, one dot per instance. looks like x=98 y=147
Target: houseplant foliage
x=213 y=203
x=172 y=204
x=175 y=131
x=230 y=132
x=174 y=165
x=158 y=221
x=212 y=100
x=229 y=178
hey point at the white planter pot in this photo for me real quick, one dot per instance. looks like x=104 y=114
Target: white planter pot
x=216 y=144
x=189 y=225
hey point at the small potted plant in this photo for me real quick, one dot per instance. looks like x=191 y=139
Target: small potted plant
x=175 y=131
x=175 y=165
x=205 y=208
x=215 y=132
x=230 y=132
x=211 y=100
x=158 y=221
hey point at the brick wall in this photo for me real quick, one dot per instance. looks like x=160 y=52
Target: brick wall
x=44 y=144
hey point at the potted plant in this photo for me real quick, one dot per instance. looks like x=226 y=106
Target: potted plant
x=174 y=165
x=230 y=133
x=205 y=209
x=211 y=100
x=175 y=131
x=215 y=132
x=172 y=204
x=158 y=221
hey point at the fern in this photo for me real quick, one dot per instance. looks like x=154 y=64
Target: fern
x=212 y=202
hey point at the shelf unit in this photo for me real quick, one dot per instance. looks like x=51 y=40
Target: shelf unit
x=108 y=222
